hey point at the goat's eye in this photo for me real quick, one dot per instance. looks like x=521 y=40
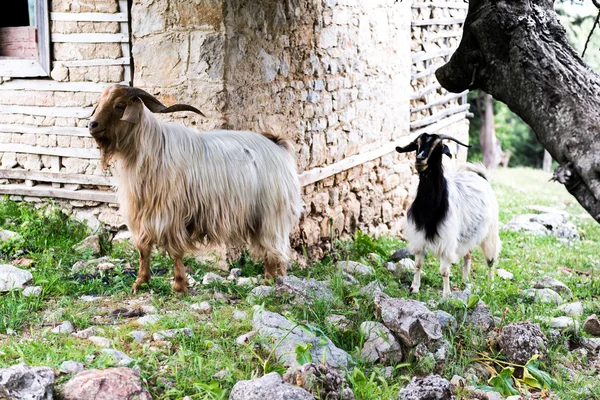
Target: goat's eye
x=120 y=106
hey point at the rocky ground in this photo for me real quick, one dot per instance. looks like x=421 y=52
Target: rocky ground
x=345 y=328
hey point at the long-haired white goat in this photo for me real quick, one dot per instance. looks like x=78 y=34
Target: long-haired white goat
x=450 y=214
x=182 y=189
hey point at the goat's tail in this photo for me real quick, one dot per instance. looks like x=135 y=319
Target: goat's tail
x=477 y=168
x=280 y=140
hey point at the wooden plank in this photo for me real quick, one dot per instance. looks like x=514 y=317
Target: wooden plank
x=442 y=4
x=442 y=35
x=49 y=191
x=428 y=71
x=436 y=117
x=440 y=101
x=88 y=17
x=425 y=91
x=318 y=174
x=62 y=177
x=428 y=55
x=89 y=38
x=126 y=46
x=53 y=86
x=444 y=122
x=55 y=166
x=45 y=130
x=72 y=112
x=21 y=68
x=439 y=21
x=50 y=151
x=19 y=42
x=42 y=18
x=97 y=62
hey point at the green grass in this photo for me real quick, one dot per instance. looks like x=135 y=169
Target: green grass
x=186 y=367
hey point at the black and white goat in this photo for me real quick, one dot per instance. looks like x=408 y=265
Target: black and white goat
x=451 y=214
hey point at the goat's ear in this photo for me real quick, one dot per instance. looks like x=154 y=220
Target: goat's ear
x=133 y=111
x=408 y=148
x=446 y=151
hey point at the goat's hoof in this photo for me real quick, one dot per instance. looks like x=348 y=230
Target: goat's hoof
x=180 y=290
x=413 y=290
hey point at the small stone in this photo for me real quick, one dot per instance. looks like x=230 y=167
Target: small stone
x=562 y=322
x=353 y=267
x=433 y=387
x=341 y=323
x=268 y=387
x=71 y=367
x=100 y=341
x=400 y=254
x=572 y=309
x=240 y=315
x=138 y=336
x=86 y=333
x=121 y=359
x=247 y=281
x=171 y=333
x=544 y=295
x=481 y=318
x=66 y=327
x=554 y=284
x=390 y=266
x=592 y=325
x=234 y=274
x=504 y=274
x=592 y=344
x=211 y=277
x=148 y=308
x=221 y=375
x=380 y=344
x=458 y=381
x=204 y=307
x=350 y=279
x=446 y=320
x=406 y=265
x=259 y=293
x=245 y=338
x=32 y=291
x=522 y=340
x=90 y=299
x=12 y=277
x=22 y=382
x=371 y=288
x=90 y=243
x=149 y=319
x=6 y=235
x=109 y=383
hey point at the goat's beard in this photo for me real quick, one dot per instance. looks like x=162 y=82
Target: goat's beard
x=107 y=150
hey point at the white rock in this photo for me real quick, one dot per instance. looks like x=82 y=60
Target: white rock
x=247 y=281
x=562 y=322
x=120 y=358
x=65 y=327
x=211 y=277
x=70 y=367
x=149 y=319
x=353 y=267
x=32 y=291
x=240 y=315
x=171 y=333
x=90 y=299
x=100 y=341
x=86 y=333
x=245 y=338
x=544 y=295
x=572 y=309
x=5 y=234
x=12 y=277
x=203 y=307
x=504 y=274
x=138 y=336
x=406 y=265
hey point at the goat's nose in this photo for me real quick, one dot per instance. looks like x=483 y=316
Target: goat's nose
x=93 y=124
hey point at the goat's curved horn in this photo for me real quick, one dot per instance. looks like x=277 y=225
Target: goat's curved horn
x=156 y=106
x=454 y=140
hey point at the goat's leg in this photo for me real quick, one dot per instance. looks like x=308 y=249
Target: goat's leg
x=180 y=285
x=491 y=249
x=445 y=272
x=144 y=270
x=419 y=260
x=270 y=269
x=466 y=268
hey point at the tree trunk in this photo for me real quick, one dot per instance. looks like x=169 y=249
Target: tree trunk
x=518 y=52
x=547 y=163
x=487 y=135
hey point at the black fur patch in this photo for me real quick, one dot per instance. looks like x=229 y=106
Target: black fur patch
x=431 y=202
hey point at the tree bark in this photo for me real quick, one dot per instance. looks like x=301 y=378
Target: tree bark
x=518 y=52
x=487 y=135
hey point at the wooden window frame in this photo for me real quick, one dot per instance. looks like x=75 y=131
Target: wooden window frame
x=24 y=68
